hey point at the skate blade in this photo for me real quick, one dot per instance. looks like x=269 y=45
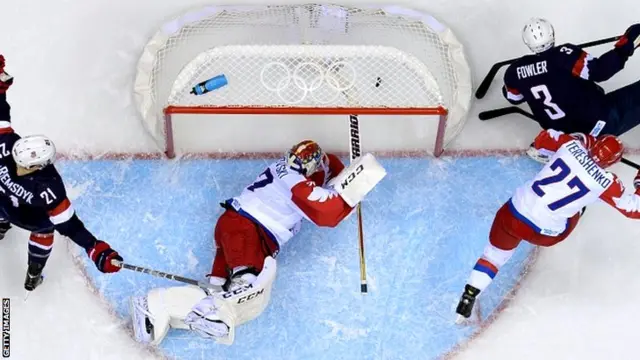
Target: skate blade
x=461 y=320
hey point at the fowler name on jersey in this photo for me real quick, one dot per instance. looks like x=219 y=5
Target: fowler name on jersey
x=532 y=70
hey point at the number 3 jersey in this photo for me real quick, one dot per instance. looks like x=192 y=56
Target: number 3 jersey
x=570 y=181
x=559 y=85
x=281 y=198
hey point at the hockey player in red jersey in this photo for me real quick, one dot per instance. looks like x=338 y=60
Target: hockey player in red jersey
x=545 y=210
x=306 y=184
x=33 y=196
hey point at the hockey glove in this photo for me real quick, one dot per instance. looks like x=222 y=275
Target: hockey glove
x=629 y=41
x=636 y=181
x=102 y=254
x=5 y=79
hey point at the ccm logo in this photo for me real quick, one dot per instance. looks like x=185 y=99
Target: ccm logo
x=351 y=176
x=236 y=291
x=250 y=297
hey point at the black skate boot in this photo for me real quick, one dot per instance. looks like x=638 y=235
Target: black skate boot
x=34 y=276
x=467 y=300
x=4 y=227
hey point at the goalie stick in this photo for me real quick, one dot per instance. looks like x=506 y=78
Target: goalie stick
x=202 y=284
x=490 y=114
x=354 y=153
x=486 y=82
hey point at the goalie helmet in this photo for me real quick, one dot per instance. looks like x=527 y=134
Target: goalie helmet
x=538 y=35
x=607 y=151
x=306 y=157
x=34 y=151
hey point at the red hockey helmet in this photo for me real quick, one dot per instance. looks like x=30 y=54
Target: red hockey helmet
x=607 y=151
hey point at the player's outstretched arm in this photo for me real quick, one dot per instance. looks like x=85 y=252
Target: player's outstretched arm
x=627 y=204
x=66 y=222
x=602 y=68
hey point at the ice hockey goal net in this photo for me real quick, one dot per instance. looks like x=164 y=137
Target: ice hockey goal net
x=308 y=59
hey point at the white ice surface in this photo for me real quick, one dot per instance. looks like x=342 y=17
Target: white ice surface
x=74 y=62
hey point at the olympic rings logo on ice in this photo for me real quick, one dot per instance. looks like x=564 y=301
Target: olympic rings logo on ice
x=323 y=84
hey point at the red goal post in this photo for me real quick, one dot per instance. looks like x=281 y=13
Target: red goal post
x=307 y=59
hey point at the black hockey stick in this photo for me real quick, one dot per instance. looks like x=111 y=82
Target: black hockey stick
x=490 y=114
x=486 y=82
x=202 y=284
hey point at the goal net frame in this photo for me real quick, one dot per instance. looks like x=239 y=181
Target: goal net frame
x=158 y=110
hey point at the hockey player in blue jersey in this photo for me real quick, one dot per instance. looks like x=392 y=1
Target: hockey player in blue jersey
x=559 y=83
x=33 y=196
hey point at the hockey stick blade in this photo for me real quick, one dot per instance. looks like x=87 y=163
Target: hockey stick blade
x=490 y=114
x=488 y=79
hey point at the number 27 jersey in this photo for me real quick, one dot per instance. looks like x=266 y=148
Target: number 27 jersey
x=570 y=181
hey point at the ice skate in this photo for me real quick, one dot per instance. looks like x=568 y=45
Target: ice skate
x=467 y=300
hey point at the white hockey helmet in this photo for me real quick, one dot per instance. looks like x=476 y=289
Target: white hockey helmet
x=34 y=151
x=538 y=35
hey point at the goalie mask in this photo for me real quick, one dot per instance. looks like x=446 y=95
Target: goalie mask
x=305 y=157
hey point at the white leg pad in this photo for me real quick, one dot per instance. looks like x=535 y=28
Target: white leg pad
x=234 y=307
x=358 y=179
x=169 y=306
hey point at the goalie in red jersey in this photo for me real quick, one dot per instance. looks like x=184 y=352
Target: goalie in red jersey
x=306 y=184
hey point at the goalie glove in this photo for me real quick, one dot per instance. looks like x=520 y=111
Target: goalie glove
x=356 y=181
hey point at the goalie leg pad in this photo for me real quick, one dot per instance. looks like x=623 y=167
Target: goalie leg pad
x=161 y=309
x=358 y=179
x=235 y=307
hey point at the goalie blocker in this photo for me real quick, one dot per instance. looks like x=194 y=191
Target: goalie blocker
x=358 y=179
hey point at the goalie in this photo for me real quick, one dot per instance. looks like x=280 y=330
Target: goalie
x=307 y=184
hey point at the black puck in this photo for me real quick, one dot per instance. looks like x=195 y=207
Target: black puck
x=378 y=81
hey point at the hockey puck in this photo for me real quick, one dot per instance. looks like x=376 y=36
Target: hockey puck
x=378 y=81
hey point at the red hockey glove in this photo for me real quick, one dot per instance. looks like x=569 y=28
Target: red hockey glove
x=586 y=139
x=102 y=254
x=629 y=41
x=636 y=181
x=5 y=79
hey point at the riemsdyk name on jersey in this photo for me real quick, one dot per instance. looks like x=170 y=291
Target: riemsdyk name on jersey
x=598 y=174
x=15 y=188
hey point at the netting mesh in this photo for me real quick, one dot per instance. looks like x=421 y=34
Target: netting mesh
x=308 y=75
x=307 y=55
